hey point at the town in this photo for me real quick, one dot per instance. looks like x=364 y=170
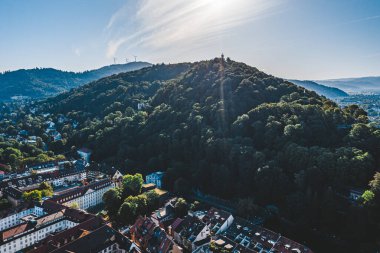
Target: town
x=58 y=206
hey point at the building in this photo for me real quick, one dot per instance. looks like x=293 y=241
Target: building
x=244 y=236
x=151 y=238
x=74 y=173
x=43 y=167
x=32 y=228
x=16 y=217
x=164 y=214
x=218 y=220
x=13 y=188
x=155 y=178
x=14 y=195
x=85 y=196
x=73 y=170
x=118 y=178
x=88 y=237
x=85 y=154
x=191 y=233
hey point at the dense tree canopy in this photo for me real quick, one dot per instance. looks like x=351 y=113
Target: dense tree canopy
x=228 y=129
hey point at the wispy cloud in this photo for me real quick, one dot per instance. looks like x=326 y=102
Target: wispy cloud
x=359 y=20
x=118 y=15
x=160 y=24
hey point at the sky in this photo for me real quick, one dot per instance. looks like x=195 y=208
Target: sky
x=300 y=39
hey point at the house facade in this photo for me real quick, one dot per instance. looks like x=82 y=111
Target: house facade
x=155 y=178
x=16 y=218
x=85 y=196
x=33 y=229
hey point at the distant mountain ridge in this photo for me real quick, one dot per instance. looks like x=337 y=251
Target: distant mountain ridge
x=329 y=92
x=44 y=82
x=355 y=85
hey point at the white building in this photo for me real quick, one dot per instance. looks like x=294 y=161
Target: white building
x=155 y=178
x=44 y=167
x=117 y=175
x=98 y=237
x=86 y=196
x=68 y=176
x=16 y=218
x=33 y=229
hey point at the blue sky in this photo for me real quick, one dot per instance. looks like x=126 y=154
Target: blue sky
x=304 y=39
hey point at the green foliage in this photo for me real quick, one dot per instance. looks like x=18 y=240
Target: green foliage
x=368 y=197
x=195 y=206
x=41 y=82
x=44 y=190
x=4 y=204
x=46 y=186
x=152 y=199
x=375 y=183
x=132 y=184
x=132 y=207
x=126 y=211
x=35 y=195
x=74 y=205
x=17 y=154
x=230 y=131
x=181 y=207
x=112 y=200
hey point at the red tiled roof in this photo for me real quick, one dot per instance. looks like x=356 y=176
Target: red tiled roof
x=177 y=222
x=148 y=235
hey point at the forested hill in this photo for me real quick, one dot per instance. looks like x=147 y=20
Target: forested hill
x=329 y=92
x=43 y=82
x=231 y=130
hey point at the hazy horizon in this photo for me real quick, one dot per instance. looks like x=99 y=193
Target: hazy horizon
x=293 y=39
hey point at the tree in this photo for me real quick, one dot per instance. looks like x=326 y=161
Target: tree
x=131 y=208
x=74 y=205
x=368 y=197
x=112 y=200
x=132 y=184
x=181 y=207
x=4 y=204
x=46 y=189
x=152 y=199
x=375 y=183
x=45 y=186
x=246 y=207
x=35 y=195
x=126 y=213
x=195 y=206
x=182 y=186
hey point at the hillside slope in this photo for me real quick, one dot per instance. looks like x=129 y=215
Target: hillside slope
x=323 y=90
x=43 y=82
x=369 y=84
x=189 y=109
x=228 y=129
